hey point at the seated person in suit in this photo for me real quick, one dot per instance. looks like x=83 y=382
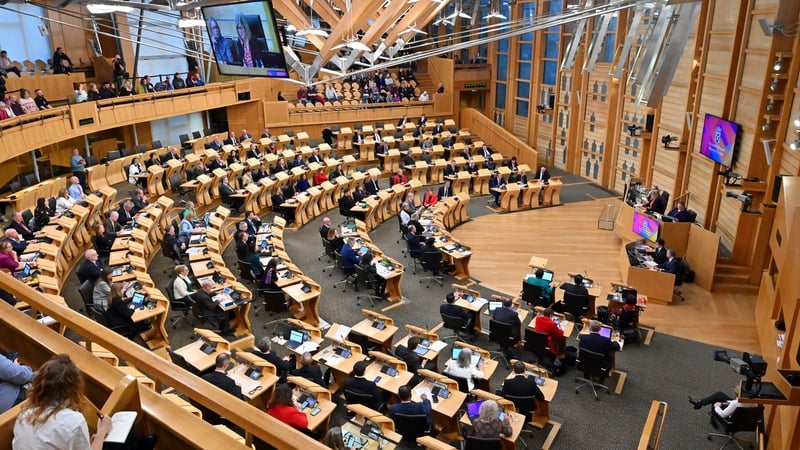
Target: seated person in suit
x=415 y=244
x=660 y=256
x=507 y=314
x=463 y=368
x=186 y=228
x=337 y=172
x=512 y=163
x=309 y=370
x=536 y=280
x=451 y=309
x=372 y=185
x=325 y=227
x=361 y=385
x=280 y=166
x=283 y=365
x=101 y=240
x=544 y=323
x=430 y=198
x=450 y=169
x=679 y=212
x=407 y=407
x=209 y=307
x=359 y=193
x=375 y=280
x=336 y=241
x=90 y=269
x=216 y=144
x=543 y=176
x=671 y=265
x=285 y=409
x=471 y=167
x=219 y=377
x=227 y=192
x=119 y=314
x=596 y=343
x=522 y=385
x=445 y=191
x=408 y=160
x=576 y=287
x=231 y=139
x=407 y=353
x=520 y=177
x=724 y=405
x=346 y=204
x=497 y=182
x=139 y=200
x=125 y=213
x=286 y=212
x=349 y=256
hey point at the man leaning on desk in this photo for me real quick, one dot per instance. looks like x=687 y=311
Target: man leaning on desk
x=219 y=377
x=451 y=309
x=361 y=385
x=522 y=385
x=204 y=297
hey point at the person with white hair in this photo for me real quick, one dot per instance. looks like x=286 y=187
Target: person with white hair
x=464 y=368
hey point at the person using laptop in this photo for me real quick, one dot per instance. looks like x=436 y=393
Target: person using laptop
x=522 y=384
x=596 y=343
x=538 y=280
x=463 y=367
x=449 y=308
x=679 y=212
x=361 y=385
x=488 y=423
x=544 y=323
x=283 y=365
x=576 y=287
x=507 y=314
x=309 y=370
x=407 y=407
x=408 y=353
x=204 y=298
x=119 y=315
x=671 y=265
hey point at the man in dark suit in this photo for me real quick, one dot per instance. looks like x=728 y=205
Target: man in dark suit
x=372 y=185
x=253 y=152
x=451 y=169
x=543 y=176
x=361 y=385
x=209 y=306
x=347 y=202
x=679 y=212
x=309 y=370
x=285 y=212
x=496 y=182
x=407 y=407
x=220 y=378
x=596 y=343
x=125 y=213
x=507 y=314
x=17 y=243
x=349 y=256
x=112 y=225
x=316 y=157
x=139 y=201
x=253 y=222
x=671 y=265
x=283 y=365
x=576 y=287
x=522 y=385
x=18 y=223
x=226 y=191
x=512 y=163
x=451 y=309
x=245 y=136
x=358 y=139
x=660 y=256
x=327 y=135
x=402 y=122
x=408 y=354
x=445 y=191
x=90 y=268
x=486 y=152
x=216 y=144
x=325 y=227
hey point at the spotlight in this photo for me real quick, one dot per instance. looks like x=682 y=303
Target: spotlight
x=773 y=86
x=767 y=125
x=541 y=109
x=666 y=139
x=797 y=122
x=795 y=145
x=635 y=130
x=771 y=105
x=778 y=64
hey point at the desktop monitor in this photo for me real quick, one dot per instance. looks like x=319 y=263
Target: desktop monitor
x=628 y=291
x=646 y=227
x=138 y=299
x=719 y=139
x=245 y=40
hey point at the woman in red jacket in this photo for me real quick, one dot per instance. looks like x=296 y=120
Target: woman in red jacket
x=284 y=408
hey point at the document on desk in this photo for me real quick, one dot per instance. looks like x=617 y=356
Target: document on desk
x=307 y=346
x=479 y=302
x=423 y=390
x=193 y=250
x=650 y=264
x=437 y=346
x=341 y=333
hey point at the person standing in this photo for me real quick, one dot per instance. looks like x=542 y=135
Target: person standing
x=78 y=165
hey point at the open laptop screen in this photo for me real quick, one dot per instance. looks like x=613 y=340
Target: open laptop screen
x=138 y=299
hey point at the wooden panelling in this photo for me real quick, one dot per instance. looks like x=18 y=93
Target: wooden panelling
x=520 y=127
x=721 y=47
x=728 y=220
x=754 y=66
x=725 y=15
x=711 y=99
x=699 y=184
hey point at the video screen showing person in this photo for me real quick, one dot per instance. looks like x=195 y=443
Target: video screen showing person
x=244 y=39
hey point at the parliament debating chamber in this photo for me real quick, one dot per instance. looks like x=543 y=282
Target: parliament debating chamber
x=366 y=224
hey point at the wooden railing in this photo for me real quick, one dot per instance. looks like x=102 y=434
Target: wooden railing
x=500 y=138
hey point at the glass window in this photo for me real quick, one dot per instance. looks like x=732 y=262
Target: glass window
x=526 y=37
x=524 y=71
x=502 y=45
x=554 y=6
x=22 y=37
x=522 y=108
x=525 y=52
x=550 y=72
x=551 y=45
x=523 y=89
x=609 y=47
x=500 y=96
x=502 y=67
x=529 y=9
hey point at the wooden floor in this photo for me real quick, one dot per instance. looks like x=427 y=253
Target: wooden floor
x=502 y=245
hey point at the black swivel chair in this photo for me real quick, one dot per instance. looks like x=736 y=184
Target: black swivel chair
x=182 y=306
x=199 y=314
x=181 y=362
x=364 y=278
x=86 y=289
x=416 y=255
x=362 y=341
x=744 y=418
x=628 y=325
x=480 y=443
x=360 y=398
x=456 y=324
x=595 y=369
x=274 y=300
x=346 y=213
x=532 y=295
x=349 y=274
x=432 y=261
x=502 y=334
x=246 y=271
x=680 y=277
x=524 y=405
x=463 y=384
x=536 y=343
x=577 y=306
x=411 y=426
x=330 y=252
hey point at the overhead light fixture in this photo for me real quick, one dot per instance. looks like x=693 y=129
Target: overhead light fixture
x=412 y=29
x=190 y=23
x=767 y=125
x=313 y=30
x=771 y=105
x=99 y=8
x=773 y=86
x=666 y=139
x=797 y=122
x=795 y=145
x=778 y=64
x=353 y=44
x=495 y=15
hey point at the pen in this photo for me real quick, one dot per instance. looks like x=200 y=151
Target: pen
x=100 y=416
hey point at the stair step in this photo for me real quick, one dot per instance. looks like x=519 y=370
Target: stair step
x=732 y=269
x=734 y=287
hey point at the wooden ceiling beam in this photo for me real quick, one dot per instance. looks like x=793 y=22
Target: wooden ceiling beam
x=297 y=17
x=353 y=19
x=386 y=19
x=421 y=17
x=324 y=11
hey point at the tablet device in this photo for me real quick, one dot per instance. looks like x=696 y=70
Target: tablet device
x=605 y=332
x=138 y=299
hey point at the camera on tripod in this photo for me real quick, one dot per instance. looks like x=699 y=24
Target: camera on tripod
x=753 y=367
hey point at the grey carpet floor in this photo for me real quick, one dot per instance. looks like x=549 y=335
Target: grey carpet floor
x=667 y=370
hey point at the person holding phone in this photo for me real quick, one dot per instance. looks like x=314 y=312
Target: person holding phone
x=13 y=378
x=285 y=409
x=488 y=424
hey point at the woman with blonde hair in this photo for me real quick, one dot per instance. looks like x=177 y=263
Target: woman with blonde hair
x=51 y=416
x=249 y=50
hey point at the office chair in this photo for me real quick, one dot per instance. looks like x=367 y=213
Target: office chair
x=274 y=300
x=463 y=385
x=27 y=215
x=432 y=260
x=680 y=277
x=246 y=271
x=324 y=242
x=411 y=426
x=532 y=295
x=455 y=324
x=415 y=256
x=196 y=135
x=330 y=252
x=502 y=334
x=364 y=278
x=347 y=214
x=594 y=367
x=127 y=151
x=362 y=341
x=175 y=182
x=197 y=312
x=577 y=306
x=183 y=138
x=524 y=405
x=349 y=274
x=112 y=155
x=536 y=343
x=86 y=289
x=480 y=443
x=181 y=306
x=691 y=215
x=744 y=418
x=156 y=144
x=360 y=398
x=628 y=325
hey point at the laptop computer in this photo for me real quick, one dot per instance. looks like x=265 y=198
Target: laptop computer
x=605 y=332
x=344 y=352
x=25 y=272
x=476 y=358
x=138 y=299
x=548 y=276
x=494 y=305
x=296 y=338
x=474 y=409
